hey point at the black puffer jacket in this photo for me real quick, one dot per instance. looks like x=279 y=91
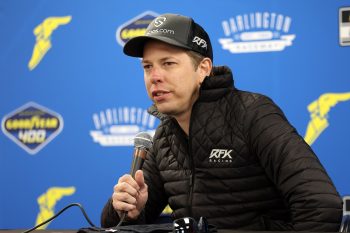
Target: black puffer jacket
x=243 y=166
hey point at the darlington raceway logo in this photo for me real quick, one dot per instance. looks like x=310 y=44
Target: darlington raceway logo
x=118 y=126
x=32 y=126
x=256 y=32
x=135 y=27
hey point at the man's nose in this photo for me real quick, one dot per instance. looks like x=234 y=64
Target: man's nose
x=156 y=75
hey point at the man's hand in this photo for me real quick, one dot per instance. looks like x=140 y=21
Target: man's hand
x=130 y=195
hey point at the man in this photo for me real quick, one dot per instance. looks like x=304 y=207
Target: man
x=225 y=154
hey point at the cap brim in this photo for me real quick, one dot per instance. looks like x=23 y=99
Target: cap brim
x=134 y=47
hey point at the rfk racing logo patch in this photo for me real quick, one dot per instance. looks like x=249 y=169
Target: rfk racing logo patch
x=32 y=126
x=200 y=42
x=220 y=156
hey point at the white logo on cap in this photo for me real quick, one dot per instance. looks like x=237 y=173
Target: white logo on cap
x=200 y=42
x=159 y=21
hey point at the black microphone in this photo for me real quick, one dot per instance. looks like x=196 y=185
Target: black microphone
x=142 y=143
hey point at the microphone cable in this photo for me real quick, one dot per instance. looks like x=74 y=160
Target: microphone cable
x=60 y=212
x=121 y=219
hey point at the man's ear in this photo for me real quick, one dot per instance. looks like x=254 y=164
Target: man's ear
x=205 y=68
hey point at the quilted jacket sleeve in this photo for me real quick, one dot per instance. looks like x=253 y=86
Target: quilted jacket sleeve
x=157 y=199
x=155 y=204
x=292 y=166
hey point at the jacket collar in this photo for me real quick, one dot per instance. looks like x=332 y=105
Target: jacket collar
x=216 y=85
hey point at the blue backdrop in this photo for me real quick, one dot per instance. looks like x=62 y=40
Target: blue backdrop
x=71 y=101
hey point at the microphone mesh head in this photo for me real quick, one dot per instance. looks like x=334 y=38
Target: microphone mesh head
x=143 y=140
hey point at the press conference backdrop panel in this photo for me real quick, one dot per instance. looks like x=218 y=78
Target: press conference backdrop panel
x=71 y=101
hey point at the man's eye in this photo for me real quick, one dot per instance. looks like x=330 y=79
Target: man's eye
x=146 y=67
x=169 y=63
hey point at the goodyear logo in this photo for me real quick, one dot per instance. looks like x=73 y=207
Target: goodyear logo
x=43 y=33
x=319 y=110
x=118 y=126
x=47 y=203
x=257 y=32
x=134 y=27
x=32 y=126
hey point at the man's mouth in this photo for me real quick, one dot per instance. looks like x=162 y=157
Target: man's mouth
x=159 y=95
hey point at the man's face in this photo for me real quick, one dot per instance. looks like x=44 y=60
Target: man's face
x=171 y=79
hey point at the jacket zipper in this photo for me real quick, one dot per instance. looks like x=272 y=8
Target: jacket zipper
x=192 y=176
x=191 y=187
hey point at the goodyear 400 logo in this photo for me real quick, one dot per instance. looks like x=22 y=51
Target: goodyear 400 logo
x=134 y=27
x=32 y=126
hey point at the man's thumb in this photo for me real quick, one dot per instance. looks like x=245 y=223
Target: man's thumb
x=139 y=178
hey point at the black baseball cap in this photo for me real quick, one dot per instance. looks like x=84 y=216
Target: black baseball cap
x=173 y=29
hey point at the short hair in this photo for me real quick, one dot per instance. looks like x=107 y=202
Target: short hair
x=196 y=59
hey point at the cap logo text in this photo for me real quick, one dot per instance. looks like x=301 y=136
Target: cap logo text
x=200 y=42
x=161 y=30
x=159 y=21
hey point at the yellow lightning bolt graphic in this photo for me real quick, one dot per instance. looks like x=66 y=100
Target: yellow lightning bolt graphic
x=43 y=34
x=47 y=202
x=319 y=110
